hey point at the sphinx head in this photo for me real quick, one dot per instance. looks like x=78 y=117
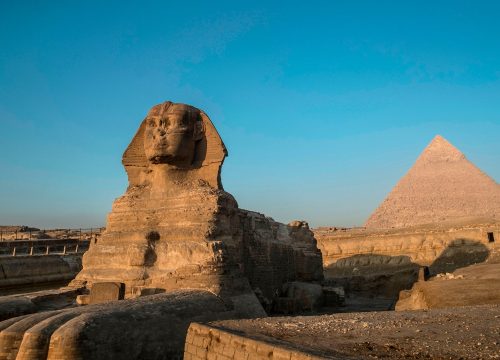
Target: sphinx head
x=171 y=134
x=179 y=136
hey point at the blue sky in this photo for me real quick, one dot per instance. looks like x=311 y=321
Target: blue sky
x=323 y=105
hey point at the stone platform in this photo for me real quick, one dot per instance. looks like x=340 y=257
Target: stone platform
x=459 y=333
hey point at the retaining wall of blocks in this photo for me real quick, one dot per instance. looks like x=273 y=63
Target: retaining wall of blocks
x=210 y=343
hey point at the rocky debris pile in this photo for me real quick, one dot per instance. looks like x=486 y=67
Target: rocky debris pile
x=448 y=276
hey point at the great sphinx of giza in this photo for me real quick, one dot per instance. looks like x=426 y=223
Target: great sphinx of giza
x=175 y=227
x=177 y=231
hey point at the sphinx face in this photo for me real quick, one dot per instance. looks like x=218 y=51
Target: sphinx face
x=170 y=137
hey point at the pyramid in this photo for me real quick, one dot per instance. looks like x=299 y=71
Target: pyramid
x=442 y=186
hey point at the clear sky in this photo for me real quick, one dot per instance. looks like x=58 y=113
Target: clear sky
x=323 y=105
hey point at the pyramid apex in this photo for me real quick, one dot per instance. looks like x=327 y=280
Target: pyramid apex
x=440 y=149
x=438 y=139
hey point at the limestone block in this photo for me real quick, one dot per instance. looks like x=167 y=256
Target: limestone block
x=333 y=295
x=83 y=299
x=307 y=296
x=141 y=291
x=106 y=291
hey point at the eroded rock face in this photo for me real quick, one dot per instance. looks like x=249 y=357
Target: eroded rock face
x=175 y=227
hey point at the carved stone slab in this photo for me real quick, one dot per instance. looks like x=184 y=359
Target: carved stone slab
x=106 y=291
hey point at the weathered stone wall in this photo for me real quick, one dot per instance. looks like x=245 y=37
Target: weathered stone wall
x=358 y=251
x=208 y=342
x=275 y=253
x=15 y=271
